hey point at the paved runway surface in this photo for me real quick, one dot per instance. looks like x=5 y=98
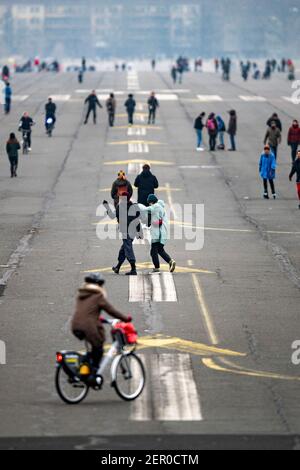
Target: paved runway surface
x=216 y=336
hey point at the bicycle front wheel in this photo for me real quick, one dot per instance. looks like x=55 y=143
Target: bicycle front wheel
x=129 y=377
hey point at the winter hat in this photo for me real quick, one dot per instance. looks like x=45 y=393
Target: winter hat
x=152 y=199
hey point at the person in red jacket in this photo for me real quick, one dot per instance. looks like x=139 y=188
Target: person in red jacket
x=294 y=138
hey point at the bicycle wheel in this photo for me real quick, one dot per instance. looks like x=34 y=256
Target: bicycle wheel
x=130 y=377
x=70 y=392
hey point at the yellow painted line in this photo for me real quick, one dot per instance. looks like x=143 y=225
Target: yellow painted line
x=127 y=162
x=139 y=126
x=216 y=229
x=160 y=189
x=205 y=312
x=211 y=364
x=190 y=347
x=234 y=230
x=170 y=200
x=135 y=114
x=148 y=265
x=107 y=222
x=136 y=142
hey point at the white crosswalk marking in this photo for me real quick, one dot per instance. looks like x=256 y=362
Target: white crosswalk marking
x=60 y=97
x=167 y=97
x=141 y=131
x=134 y=168
x=152 y=287
x=20 y=97
x=291 y=99
x=258 y=99
x=138 y=148
x=209 y=98
x=173 y=392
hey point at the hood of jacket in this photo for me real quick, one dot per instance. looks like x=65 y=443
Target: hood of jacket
x=87 y=290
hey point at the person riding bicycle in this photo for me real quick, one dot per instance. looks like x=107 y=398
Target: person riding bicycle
x=26 y=123
x=86 y=324
x=50 y=109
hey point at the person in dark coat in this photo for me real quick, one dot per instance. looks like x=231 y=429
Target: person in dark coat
x=198 y=126
x=296 y=170
x=119 y=186
x=111 y=105
x=130 y=105
x=146 y=183
x=93 y=102
x=12 y=150
x=275 y=118
x=128 y=216
x=153 y=104
x=8 y=95
x=85 y=324
x=294 y=138
x=232 y=129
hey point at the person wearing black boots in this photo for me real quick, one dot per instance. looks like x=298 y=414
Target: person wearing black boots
x=128 y=216
x=12 y=150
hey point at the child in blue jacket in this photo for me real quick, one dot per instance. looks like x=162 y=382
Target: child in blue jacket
x=267 y=171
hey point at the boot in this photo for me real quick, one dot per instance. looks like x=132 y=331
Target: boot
x=117 y=268
x=133 y=271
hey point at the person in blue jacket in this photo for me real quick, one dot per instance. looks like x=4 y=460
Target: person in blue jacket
x=8 y=95
x=267 y=171
x=221 y=131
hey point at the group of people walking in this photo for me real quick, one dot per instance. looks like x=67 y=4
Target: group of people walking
x=268 y=162
x=216 y=129
x=269 y=158
x=130 y=104
x=132 y=217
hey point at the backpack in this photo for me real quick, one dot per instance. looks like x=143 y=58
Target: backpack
x=211 y=125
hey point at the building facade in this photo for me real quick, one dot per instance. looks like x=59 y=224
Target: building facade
x=148 y=28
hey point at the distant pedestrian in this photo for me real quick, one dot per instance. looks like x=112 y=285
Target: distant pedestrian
x=111 y=106
x=221 y=131
x=198 y=126
x=273 y=138
x=80 y=76
x=212 y=129
x=232 y=129
x=146 y=183
x=174 y=74
x=93 y=102
x=294 y=138
x=8 y=95
x=267 y=171
x=119 y=186
x=153 y=64
x=12 y=150
x=153 y=104
x=158 y=232
x=275 y=118
x=296 y=170
x=130 y=105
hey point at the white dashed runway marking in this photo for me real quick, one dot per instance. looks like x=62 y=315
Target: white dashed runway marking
x=170 y=393
x=152 y=287
x=209 y=98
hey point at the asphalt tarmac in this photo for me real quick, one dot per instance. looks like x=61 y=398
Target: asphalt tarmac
x=216 y=336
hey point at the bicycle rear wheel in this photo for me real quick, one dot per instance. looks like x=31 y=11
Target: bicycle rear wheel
x=130 y=377
x=70 y=391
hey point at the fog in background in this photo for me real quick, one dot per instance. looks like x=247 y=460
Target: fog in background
x=147 y=29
